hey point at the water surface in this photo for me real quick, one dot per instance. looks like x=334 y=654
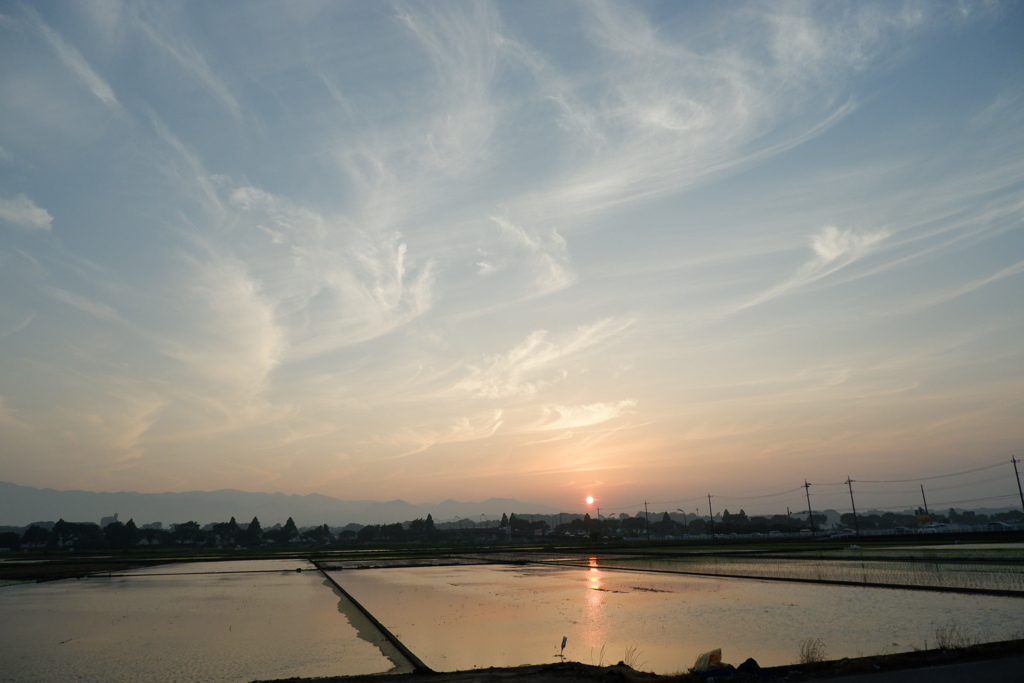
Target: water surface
x=479 y=616
x=182 y=623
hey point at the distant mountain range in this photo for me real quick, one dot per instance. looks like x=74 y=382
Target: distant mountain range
x=22 y=505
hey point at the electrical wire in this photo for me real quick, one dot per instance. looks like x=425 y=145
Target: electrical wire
x=937 y=476
x=860 y=491
x=767 y=495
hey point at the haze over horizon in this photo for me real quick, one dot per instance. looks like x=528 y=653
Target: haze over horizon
x=640 y=251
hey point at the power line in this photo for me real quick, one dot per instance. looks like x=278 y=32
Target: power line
x=937 y=506
x=717 y=495
x=887 y=492
x=767 y=495
x=975 y=500
x=963 y=486
x=861 y=491
x=937 y=476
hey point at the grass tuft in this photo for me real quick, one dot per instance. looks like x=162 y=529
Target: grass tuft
x=812 y=650
x=631 y=657
x=953 y=637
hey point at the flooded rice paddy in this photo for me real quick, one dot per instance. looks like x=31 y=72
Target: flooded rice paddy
x=238 y=621
x=948 y=574
x=464 y=617
x=225 y=621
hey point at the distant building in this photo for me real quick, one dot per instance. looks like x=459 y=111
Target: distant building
x=107 y=521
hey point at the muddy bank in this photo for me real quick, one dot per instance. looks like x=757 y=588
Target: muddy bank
x=69 y=568
x=572 y=672
x=372 y=631
x=569 y=672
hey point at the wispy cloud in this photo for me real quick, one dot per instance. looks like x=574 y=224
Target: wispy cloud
x=463 y=46
x=533 y=364
x=546 y=255
x=327 y=237
x=19 y=326
x=73 y=60
x=574 y=417
x=412 y=440
x=188 y=57
x=84 y=304
x=337 y=284
x=234 y=339
x=551 y=439
x=834 y=249
x=22 y=212
x=9 y=417
x=950 y=293
x=671 y=112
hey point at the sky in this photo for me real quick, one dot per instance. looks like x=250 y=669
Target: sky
x=640 y=251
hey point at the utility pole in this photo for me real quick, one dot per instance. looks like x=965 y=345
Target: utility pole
x=789 y=522
x=856 y=526
x=1017 y=474
x=810 y=517
x=711 y=516
x=925 y=501
x=647 y=522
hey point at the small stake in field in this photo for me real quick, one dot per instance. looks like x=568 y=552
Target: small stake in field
x=561 y=654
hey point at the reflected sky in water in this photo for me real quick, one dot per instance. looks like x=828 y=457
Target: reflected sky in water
x=236 y=621
x=479 y=616
x=167 y=623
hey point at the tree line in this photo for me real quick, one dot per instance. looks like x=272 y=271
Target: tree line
x=122 y=535
x=63 y=535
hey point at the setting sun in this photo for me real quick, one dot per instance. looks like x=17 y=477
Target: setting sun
x=590 y=500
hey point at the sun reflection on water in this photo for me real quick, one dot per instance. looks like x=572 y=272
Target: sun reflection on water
x=595 y=630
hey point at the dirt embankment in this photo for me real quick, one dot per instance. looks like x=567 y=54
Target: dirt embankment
x=70 y=568
x=572 y=672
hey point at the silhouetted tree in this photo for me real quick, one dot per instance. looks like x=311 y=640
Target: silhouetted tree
x=113 y=534
x=318 y=534
x=664 y=526
x=389 y=533
x=121 y=534
x=154 y=536
x=289 y=529
x=227 y=533
x=187 y=533
x=634 y=526
x=62 y=533
x=253 y=533
x=77 y=535
x=282 y=534
x=35 y=536
x=131 y=533
x=419 y=530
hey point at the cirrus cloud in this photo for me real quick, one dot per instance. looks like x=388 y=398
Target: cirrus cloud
x=574 y=417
